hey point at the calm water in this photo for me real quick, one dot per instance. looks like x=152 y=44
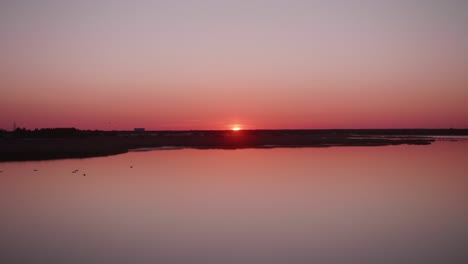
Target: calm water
x=396 y=204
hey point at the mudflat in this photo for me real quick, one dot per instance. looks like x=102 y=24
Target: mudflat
x=82 y=145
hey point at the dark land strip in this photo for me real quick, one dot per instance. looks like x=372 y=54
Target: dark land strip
x=71 y=143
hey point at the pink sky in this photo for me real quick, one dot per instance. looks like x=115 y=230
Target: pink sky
x=212 y=64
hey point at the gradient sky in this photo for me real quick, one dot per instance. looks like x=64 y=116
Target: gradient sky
x=105 y=64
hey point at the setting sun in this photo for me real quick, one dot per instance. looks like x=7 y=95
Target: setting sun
x=236 y=128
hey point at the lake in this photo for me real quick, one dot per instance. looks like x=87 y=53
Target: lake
x=393 y=204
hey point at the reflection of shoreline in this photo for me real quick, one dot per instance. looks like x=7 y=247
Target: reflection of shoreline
x=17 y=149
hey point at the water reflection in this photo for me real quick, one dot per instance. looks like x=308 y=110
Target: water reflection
x=396 y=204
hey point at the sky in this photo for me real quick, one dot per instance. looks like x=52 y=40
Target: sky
x=210 y=64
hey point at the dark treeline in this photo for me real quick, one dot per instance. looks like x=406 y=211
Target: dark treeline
x=47 y=133
x=76 y=133
x=56 y=143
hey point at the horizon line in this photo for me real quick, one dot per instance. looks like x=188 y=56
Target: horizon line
x=249 y=129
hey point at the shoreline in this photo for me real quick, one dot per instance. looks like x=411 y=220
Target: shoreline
x=36 y=149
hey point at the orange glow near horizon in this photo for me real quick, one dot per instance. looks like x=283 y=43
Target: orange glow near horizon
x=236 y=128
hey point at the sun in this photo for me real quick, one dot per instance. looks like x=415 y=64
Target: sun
x=236 y=128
